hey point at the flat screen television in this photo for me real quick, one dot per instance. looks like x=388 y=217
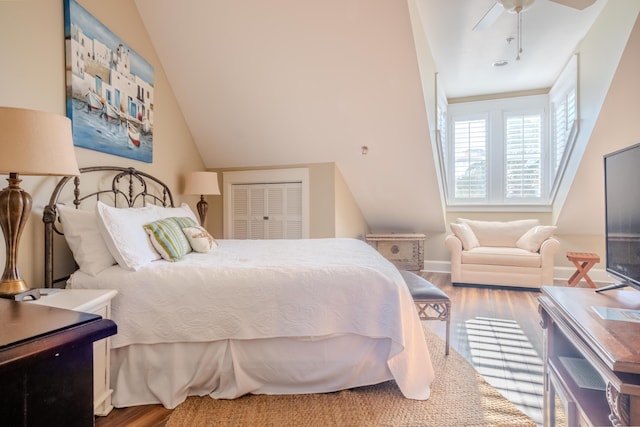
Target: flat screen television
x=622 y=216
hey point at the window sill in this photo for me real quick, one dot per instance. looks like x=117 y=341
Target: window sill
x=499 y=208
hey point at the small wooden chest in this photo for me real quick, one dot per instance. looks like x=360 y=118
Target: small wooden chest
x=404 y=250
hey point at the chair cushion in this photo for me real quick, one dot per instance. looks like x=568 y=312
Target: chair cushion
x=421 y=288
x=499 y=233
x=514 y=257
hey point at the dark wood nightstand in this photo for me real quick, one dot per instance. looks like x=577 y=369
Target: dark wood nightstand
x=46 y=364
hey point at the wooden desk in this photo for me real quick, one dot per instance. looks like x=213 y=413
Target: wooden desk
x=583 y=262
x=605 y=352
x=46 y=364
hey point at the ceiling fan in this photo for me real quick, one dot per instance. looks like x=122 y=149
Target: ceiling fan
x=517 y=7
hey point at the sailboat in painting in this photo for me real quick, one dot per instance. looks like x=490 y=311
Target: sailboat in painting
x=93 y=101
x=134 y=135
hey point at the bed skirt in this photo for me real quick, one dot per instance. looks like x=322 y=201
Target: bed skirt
x=227 y=369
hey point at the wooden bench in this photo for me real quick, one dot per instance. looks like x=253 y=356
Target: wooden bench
x=431 y=302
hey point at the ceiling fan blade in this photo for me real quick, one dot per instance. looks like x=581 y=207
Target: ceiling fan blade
x=576 y=4
x=489 y=18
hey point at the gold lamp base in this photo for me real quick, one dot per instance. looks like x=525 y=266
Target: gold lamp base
x=15 y=207
x=202 y=207
x=17 y=290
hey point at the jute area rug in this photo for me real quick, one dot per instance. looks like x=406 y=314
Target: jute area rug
x=459 y=397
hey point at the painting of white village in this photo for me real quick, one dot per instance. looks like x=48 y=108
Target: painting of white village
x=109 y=89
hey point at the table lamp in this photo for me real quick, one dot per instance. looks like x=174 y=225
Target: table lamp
x=202 y=183
x=31 y=143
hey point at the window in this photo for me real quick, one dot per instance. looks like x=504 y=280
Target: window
x=563 y=119
x=523 y=157
x=508 y=152
x=498 y=149
x=470 y=154
x=563 y=98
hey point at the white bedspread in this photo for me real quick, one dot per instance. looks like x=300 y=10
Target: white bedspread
x=257 y=289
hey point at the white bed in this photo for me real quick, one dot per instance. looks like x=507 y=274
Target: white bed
x=262 y=317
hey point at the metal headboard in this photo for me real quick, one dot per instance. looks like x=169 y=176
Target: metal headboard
x=114 y=185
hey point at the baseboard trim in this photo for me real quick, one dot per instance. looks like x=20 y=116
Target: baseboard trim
x=559 y=273
x=504 y=287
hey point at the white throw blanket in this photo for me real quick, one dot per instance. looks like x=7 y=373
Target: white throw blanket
x=253 y=289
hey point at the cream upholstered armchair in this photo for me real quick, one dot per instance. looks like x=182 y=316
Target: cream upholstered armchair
x=513 y=253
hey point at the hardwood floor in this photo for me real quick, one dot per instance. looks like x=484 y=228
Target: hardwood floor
x=496 y=330
x=136 y=416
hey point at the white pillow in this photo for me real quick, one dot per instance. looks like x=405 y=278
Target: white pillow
x=199 y=239
x=123 y=231
x=466 y=235
x=532 y=239
x=85 y=240
x=181 y=211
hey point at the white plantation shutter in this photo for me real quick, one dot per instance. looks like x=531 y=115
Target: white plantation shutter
x=523 y=156
x=564 y=119
x=564 y=114
x=470 y=159
x=499 y=153
x=559 y=132
x=442 y=126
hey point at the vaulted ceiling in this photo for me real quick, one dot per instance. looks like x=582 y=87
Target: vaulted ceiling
x=284 y=82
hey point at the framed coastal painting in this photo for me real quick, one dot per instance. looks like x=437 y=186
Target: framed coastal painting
x=109 y=89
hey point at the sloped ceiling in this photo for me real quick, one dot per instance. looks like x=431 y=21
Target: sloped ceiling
x=285 y=82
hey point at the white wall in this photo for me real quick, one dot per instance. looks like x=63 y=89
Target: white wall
x=602 y=58
x=581 y=220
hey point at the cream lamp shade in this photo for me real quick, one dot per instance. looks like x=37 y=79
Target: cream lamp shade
x=31 y=143
x=202 y=183
x=36 y=143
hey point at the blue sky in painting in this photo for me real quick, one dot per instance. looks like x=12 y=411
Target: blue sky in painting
x=96 y=30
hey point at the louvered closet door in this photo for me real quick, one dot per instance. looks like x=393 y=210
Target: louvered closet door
x=267 y=211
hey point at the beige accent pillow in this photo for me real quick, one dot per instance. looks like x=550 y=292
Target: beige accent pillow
x=466 y=235
x=499 y=233
x=199 y=239
x=532 y=239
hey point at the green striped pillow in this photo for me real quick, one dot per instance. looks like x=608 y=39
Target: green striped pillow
x=184 y=221
x=168 y=239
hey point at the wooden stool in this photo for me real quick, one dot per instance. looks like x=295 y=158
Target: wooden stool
x=431 y=302
x=583 y=262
